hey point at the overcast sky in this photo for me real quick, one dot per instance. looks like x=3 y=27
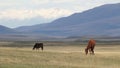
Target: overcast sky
x=47 y=9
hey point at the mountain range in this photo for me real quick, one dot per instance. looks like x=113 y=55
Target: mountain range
x=99 y=21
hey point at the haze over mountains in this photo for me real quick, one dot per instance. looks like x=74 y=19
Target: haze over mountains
x=99 y=21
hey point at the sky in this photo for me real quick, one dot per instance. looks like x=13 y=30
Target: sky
x=21 y=10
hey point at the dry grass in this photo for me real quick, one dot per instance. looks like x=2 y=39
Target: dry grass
x=60 y=57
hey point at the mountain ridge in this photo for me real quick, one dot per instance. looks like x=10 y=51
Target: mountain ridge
x=102 y=20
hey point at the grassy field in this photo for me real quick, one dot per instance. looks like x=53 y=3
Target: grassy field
x=58 y=55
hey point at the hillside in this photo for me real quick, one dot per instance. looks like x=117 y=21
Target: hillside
x=6 y=30
x=102 y=20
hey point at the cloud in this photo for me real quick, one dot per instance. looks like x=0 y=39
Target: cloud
x=62 y=1
x=39 y=1
x=53 y=12
x=4 y=3
x=26 y=14
x=50 y=1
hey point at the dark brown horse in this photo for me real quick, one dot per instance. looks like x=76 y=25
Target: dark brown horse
x=90 y=47
x=37 y=46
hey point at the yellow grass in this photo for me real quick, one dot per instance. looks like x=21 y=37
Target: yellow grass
x=60 y=57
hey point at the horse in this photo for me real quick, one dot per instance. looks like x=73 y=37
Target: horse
x=37 y=46
x=90 y=47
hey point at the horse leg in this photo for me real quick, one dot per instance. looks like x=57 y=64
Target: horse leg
x=42 y=48
x=37 y=49
x=92 y=49
x=86 y=51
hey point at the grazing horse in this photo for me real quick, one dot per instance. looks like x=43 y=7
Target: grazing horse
x=37 y=46
x=90 y=47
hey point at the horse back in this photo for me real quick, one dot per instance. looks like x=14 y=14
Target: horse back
x=91 y=43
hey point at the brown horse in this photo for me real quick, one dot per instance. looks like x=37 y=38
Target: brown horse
x=90 y=47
